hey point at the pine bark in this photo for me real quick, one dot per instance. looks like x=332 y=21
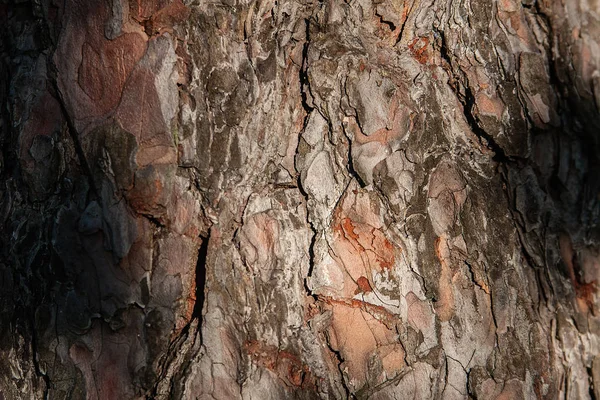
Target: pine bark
x=269 y=199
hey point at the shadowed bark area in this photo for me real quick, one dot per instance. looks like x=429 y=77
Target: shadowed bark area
x=275 y=199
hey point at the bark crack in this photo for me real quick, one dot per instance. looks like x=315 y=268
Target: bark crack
x=73 y=133
x=303 y=73
x=467 y=99
x=591 y=388
x=304 y=92
x=406 y=13
x=340 y=361
x=366 y=392
x=36 y=363
x=176 y=360
x=307 y=104
x=201 y=281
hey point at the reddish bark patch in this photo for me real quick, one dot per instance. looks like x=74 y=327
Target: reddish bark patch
x=384 y=251
x=363 y=285
x=445 y=305
x=144 y=9
x=311 y=309
x=108 y=64
x=584 y=291
x=166 y=18
x=418 y=48
x=91 y=69
x=363 y=333
x=348 y=228
x=286 y=365
x=367 y=238
x=362 y=66
x=378 y=312
x=190 y=301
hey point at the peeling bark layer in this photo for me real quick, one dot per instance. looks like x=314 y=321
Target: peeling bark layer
x=295 y=199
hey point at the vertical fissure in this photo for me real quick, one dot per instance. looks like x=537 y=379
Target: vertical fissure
x=467 y=99
x=309 y=108
x=304 y=88
x=36 y=363
x=303 y=73
x=75 y=137
x=201 y=279
x=340 y=361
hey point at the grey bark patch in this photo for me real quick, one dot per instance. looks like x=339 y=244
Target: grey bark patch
x=111 y=152
x=44 y=176
x=91 y=220
x=267 y=68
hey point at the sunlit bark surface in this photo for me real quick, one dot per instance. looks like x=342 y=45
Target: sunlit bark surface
x=274 y=199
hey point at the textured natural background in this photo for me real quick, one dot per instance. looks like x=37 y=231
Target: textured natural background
x=271 y=199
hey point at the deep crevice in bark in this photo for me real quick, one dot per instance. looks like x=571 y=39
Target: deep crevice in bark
x=591 y=391
x=389 y=24
x=303 y=73
x=304 y=89
x=201 y=279
x=34 y=357
x=158 y=224
x=399 y=38
x=340 y=361
x=177 y=360
x=468 y=102
x=350 y=169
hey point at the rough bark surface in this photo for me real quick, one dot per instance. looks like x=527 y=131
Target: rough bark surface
x=273 y=199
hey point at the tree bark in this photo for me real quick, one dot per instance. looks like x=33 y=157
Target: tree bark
x=269 y=199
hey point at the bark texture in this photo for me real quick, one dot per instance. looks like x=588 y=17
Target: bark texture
x=272 y=199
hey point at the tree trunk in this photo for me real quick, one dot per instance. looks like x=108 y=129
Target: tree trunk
x=269 y=199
